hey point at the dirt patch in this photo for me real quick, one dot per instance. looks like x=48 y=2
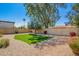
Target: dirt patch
x=19 y=48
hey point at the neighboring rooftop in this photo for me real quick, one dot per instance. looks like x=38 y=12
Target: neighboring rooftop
x=67 y=23
x=7 y=21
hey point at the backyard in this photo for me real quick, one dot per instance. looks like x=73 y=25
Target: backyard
x=42 y=29
x=50 y=46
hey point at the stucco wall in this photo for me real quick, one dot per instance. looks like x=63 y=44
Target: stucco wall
x=7 y=30
x=62 y=30
x=6 y=25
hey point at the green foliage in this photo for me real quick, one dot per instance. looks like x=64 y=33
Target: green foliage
x=75 y=46
x=76 y=20
x=73 y=15
x=34 y=25
x=75 y=7
x=46 y=14
x=0 y=35
x=31 y=38
x=4 y=43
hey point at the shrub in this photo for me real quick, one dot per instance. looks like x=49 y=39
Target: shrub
x=72 y=34
x=75 y=46
x=0 y=35
x=45 y=32
x=4 y=43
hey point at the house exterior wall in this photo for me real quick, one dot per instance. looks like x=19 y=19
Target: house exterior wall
x=6 y=27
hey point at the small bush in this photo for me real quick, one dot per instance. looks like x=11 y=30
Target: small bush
x=45 y=32
x=75 y=46
x=0 y=35
x=4 y=43
x=72 y=34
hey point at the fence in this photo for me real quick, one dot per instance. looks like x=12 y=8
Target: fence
x=6 y=30
x=54 y=30
x=62 y=30
x=17 y=30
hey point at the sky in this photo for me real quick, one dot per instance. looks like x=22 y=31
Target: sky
x=16 y=13
x=63 y=12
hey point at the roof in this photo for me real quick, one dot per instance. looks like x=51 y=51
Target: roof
x=7 y=21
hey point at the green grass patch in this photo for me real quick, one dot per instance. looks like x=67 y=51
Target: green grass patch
x=31 y=38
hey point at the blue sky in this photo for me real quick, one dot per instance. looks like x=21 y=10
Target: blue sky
x=16 y=13
x=63 y=12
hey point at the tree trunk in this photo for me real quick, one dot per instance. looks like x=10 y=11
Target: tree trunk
x=46 y=25
x=78 y=31
x=35 y=31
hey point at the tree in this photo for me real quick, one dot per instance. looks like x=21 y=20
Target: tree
x=73 y=15
x=24 y=22
x=47 y=14
x=76 y=17
x=34 y=25
x=75 y=20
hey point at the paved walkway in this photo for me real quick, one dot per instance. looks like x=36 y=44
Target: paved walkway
x=19 y=48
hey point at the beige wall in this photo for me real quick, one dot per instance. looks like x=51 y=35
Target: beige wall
x=6 y=30
x=6 y=25
x=62 y=31
x=22 y=30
